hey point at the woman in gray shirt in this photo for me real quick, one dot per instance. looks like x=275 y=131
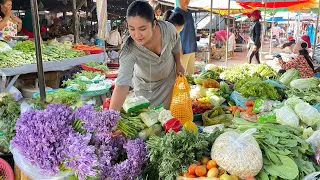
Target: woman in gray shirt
x=149 y=59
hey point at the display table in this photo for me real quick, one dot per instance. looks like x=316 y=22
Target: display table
x=47 y=67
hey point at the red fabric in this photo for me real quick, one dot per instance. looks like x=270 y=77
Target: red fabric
x=222 y=35
x=299 y=63
x=306 y=39
x=271 y=4
x=256 y=13
x=30 y=34
x=290 y=38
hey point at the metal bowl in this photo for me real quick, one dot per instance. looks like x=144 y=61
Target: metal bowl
x=20 y=38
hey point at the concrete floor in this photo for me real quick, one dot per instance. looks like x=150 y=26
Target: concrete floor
x=240 y=57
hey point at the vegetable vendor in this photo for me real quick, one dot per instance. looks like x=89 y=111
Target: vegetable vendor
x=10 y=24
x=302 y=62
x=222 y=37
x=255 y=36
x=150 y=58
x=304 y=38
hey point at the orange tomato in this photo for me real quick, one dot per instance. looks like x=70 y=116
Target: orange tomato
x=250 y=178
x=186 y=174
x=201 y=170
x=211 y=164
x=214 y=172
x=205 y=160
x=192 y=169
x=191 y=176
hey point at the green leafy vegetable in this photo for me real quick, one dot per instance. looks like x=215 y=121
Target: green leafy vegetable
x=172 y=153
x=97 y=65
x=255 y=87
x=285 y=151
x=9 y=113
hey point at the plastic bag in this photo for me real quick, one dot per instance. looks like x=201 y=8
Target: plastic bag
x=135 y=104
x=32 y=171
x=17 y=95
x=213 y=129
x=274 y=83
x=181 y=106
x=266 y=117
x=261 y=105
x=292 y=102
x=307 y=113
x=312 y=176
x=238 y=154
x=286 y=116
x=216 y=100
x=314 y=140
x=317 y=156
x=239 y=99
x=24 y=107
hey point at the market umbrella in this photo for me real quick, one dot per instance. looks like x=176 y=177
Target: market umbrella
x=103 y=32
x=271 y=3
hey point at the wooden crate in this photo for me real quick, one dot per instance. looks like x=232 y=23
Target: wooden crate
x=19 y=175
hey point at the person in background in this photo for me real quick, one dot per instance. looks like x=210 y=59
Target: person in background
x=255 y=36
x=175 y=18
x=54 y=29
x=150 y=58
x=291 y=41
x=304 y=38
x=188 y=37
x=114 y=38
x=221 y=36
x=276 y=32
x=10 y=24
x=303 y=62
x=156 y=7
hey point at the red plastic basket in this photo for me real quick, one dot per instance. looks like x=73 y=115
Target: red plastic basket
x=5 y=170
x=98 y=51
x=113 y=65
x=114 y=73
x=91 y=69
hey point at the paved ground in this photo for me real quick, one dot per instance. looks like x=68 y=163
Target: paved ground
x=240 y=57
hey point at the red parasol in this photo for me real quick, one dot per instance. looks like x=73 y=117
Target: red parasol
x=270 y=3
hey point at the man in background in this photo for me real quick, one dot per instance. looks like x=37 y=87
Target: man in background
x=188 y=37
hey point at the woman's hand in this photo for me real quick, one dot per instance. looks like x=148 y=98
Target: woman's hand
x=179 y=69
x=16 y=19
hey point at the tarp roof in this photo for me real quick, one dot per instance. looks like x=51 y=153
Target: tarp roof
x=270 y=3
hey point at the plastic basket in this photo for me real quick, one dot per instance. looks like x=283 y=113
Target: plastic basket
x=98 y=51
x=37 y=94
x=91 y=69
x=113 y=65
x=115 y=75
x=181 y=106
x=97 y=92
x=5 y=170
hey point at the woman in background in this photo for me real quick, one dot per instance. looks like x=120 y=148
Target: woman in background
x=10 y=24
x=255 y=36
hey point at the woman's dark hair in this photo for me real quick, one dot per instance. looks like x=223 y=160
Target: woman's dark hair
x=114 y=28
x=305 y=53
x=142 y=9
x=174 y=18
x=2 y=15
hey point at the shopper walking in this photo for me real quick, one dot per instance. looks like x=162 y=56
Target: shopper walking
x=255 y=36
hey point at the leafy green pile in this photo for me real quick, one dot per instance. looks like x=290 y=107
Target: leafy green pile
x=25 y=46
x=87 y=74
x=190 y=80
x=173 y=153
x=243 y=71
x=61 y=96
x=312 y=96
x=208 y=74
x=97 y=65
x=81 y=86
x=24 y=53
x=255 y=87
x=285 y=151
x=9 y=113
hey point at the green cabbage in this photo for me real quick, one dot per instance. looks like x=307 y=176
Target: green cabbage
x=288 y=76
x=305 y=83
x=307 y=114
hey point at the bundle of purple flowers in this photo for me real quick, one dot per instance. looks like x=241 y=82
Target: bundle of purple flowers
x=47 y=139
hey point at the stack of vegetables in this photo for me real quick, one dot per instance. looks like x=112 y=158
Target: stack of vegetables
x=24 y=53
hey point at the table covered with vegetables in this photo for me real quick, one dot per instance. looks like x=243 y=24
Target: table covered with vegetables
x=249 y=123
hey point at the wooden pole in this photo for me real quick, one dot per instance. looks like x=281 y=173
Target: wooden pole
x=75 y=21
x=228 y=24
x=210 y=34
